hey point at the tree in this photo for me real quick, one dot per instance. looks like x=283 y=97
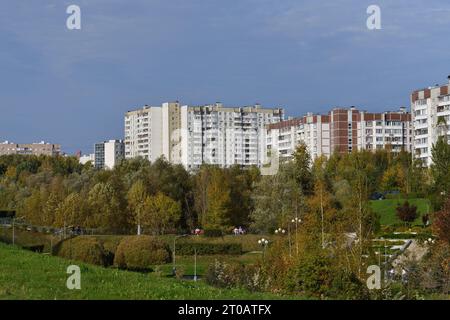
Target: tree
x=302 y=161
x=49 y=210
x=219 y=202
x=212 y=196
x=441 y=223
x=136 y=201
x=71 y=211
x=105 y=211
x=160 y=213
x=440 y=170
x=407 y=213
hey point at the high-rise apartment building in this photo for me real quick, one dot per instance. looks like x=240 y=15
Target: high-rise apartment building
x=37 y=149
x=225 y=136
x=430 y=109
x=341 y=130
x=193 y=135
x=352 y=129
x=108 y=153
x=312 y=130
x=143 y=133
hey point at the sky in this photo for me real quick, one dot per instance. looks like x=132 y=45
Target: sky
x=73 y=87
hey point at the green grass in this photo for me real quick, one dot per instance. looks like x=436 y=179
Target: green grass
x=386 y=209
x=203 y=262
x=27 y=275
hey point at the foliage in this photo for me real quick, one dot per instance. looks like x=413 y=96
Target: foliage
x=140 y=253
x=407 y=212
x=85 y=249
x=189 y=248
x=235 y=275
x=213 y=233
x=441 y=223
x=440 y=171
x=160 y=213
x=317 y=275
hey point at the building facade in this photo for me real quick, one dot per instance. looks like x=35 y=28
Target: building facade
x=143 y=133
x=225 y=136
x=37 y=149
x=312 y=130
x=352 y=129
x=342 y=130
x=87 y=158
x=193 y=135
x=430 y=109
x=108 y=153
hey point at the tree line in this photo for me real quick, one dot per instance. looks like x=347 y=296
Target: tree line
x=165 y=198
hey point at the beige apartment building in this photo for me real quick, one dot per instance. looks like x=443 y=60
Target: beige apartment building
x=37 y=149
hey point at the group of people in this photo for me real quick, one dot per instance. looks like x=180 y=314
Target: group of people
x=238 y=231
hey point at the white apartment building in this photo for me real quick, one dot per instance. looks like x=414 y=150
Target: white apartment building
x=430 y=109
x=193 y=135
x=87 y=158
x=143 y=133
x=108 y=154
x=342 y=130
x=225 y=136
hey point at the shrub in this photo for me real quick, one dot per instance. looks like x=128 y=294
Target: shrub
x=407 y=212
x=318 y=275
x=140 y=253
x=85 y=249
x=188 y=248
x=180 y=272
x=235 y=275
x=213 y=233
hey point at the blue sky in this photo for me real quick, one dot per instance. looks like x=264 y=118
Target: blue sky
x=73 y=87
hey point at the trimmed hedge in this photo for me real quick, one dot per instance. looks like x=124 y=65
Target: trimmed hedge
x=213 y=233
x=188 y=248
x=85 y=249
x=140 y=253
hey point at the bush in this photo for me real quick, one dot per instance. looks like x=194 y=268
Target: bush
x=140 y=253
x=188 y=248
x=235 y=275
x=406 y=212
x=85 y=249
x=317 y=275
x=213 y=233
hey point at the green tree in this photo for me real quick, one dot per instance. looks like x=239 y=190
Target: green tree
x=72 y=211
x=303 y=175
x=440 y=170
x=136 y=202
x=160 y=213
x=49 y=210
x=105 y=211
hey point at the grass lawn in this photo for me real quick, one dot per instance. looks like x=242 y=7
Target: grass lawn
x=27 y=275
x=386 y=209
x=187 y=263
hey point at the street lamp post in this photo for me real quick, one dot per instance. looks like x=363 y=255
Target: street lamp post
x=296 y=220
x=263 y=242
x=283 y=232
x=195 y=264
